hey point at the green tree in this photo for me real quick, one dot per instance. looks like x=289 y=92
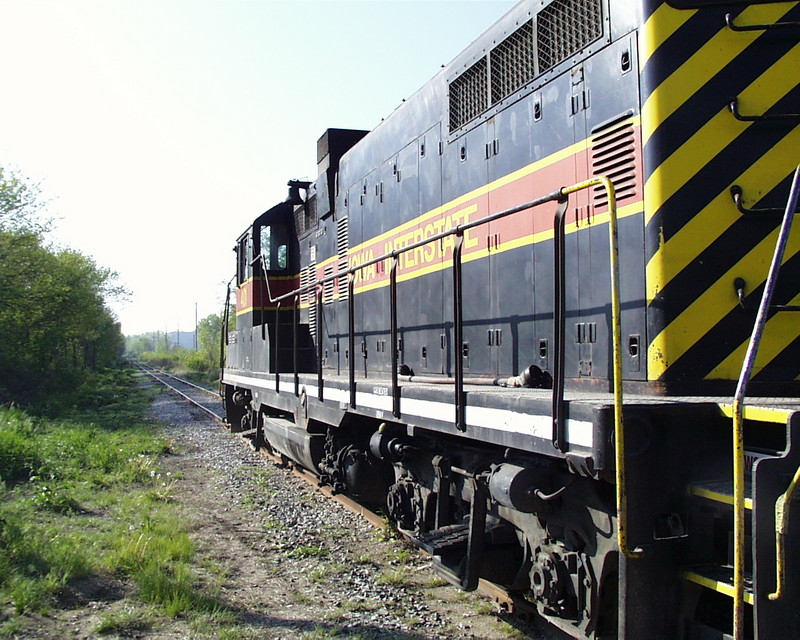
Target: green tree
x=208 y=337
x=20 y=203
x=56 y=329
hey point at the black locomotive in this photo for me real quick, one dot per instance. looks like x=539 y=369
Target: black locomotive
x=515 y=315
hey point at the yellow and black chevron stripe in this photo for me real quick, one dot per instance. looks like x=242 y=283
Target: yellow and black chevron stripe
x=693 y=65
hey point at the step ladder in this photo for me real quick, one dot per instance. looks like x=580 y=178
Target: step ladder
x=741 y=493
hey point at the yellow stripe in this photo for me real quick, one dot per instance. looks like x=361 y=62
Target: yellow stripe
x=716 y=496
x=718 y=133
x=708 y=308
x=714 y=219
x=760 y=414
x=433 y=214
x=709 y=60
x=623 y=212
x=780 y=331
x=716 y=585
x=563 y=154
x=659 y=27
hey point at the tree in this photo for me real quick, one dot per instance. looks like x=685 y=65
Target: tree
x=56 y=330
x=208 y=337
x=20 y=203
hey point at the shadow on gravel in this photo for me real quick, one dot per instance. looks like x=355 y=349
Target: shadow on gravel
x=329 y=629
x=365 y=630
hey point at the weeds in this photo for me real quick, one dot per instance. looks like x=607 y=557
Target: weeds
x=394 y=577
x=123 y=622
x=83 y=496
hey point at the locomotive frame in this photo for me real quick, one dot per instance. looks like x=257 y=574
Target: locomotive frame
x=383 y=310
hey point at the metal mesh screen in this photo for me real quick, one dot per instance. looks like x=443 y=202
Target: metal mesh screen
x=564 y=27
x=511 y=62
x=468 y=95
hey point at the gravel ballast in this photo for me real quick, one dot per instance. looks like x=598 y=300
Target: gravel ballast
x=299 y=565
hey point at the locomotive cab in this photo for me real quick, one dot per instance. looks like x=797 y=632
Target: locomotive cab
x=266 y=325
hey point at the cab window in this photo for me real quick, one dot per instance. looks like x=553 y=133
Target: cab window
x=242 y=260
x=273 y=247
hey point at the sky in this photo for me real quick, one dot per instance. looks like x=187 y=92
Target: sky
x=159 y=129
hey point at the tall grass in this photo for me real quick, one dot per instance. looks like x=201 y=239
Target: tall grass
x=84 y=496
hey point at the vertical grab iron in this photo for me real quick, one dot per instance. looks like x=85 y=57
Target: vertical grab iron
x=738 y=420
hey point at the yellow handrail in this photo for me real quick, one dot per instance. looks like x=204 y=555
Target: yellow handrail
x=781 y=529
x=616 y=332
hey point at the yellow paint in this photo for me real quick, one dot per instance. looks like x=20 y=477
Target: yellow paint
x=716 y=496
x=701 y=67
x=715 y=585
x=760 y=414
x=779 y=332
x=659 y=27
x=700 y=232
x=719 y=132
x=709 y=307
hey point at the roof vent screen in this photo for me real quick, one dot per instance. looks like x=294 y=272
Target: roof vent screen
x=512 y=62
x=468 y=95
x=564 y=27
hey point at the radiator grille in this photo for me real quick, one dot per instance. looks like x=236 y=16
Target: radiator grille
x=468 y=95
x=564 y=27
x=613 y=155
x=511 y=62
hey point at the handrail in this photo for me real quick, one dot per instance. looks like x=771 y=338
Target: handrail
x=738 y=410
x=781 y=529
x=616 y=339
x=758 y=27
x=560 y=196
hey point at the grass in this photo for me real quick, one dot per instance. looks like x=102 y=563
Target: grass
x=83 y=496
x=394 y=577
x=126 y=621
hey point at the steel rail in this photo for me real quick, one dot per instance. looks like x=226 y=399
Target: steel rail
x=211 y=413
x=508 y=601
x=189 y=383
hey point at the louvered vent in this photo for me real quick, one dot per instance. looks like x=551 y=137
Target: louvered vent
x=342 y=240
x=308 y=276
x=327 y=286
x=564 y=27
x=511 y=62
x=613 y=156
x=468 y=95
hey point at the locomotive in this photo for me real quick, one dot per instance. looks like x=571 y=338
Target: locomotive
x=532 y=316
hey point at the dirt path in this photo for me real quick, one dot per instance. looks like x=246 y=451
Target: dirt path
x=285 y=562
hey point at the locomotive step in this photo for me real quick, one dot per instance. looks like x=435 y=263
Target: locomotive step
x=720 y=579
x=721 y=491
x=453 y=537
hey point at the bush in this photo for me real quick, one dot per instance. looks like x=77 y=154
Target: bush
x=19 y=456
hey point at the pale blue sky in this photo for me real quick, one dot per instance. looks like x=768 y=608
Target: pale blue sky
x=161 y=128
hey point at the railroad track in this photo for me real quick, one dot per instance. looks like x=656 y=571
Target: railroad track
x=199 y=397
